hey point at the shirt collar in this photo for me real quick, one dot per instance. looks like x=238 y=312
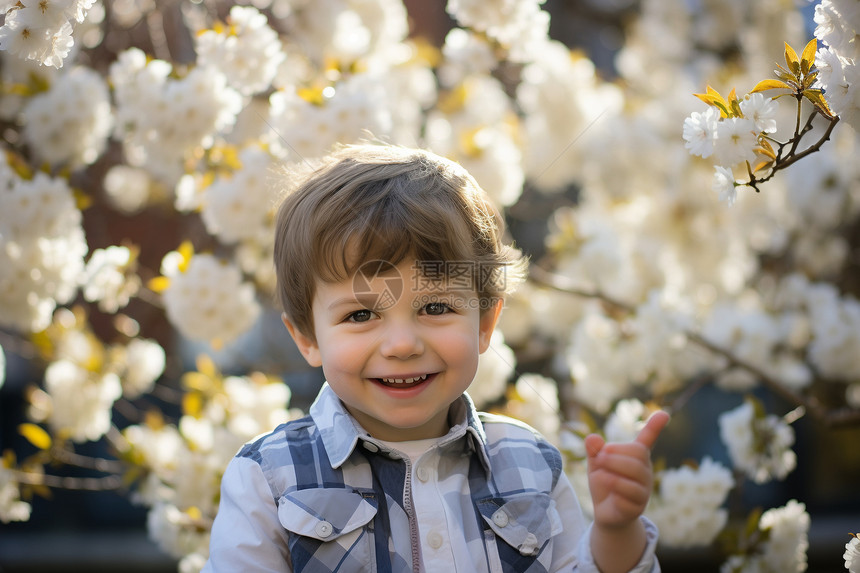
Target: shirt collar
x=341 y=432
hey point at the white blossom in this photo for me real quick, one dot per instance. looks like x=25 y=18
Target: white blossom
x=143 y=362
x=784 y=550
x=758 y=446
x=535 y=402
x=162 y=120
x=209 y=300
x=852 y=555
x=127 y=188
x=42 y=246
x=495 y=367
x=106 y=279
x=762 y=110
x=346 y=113
x=247 y=51
x=626 y=420
x=465 y=54
x=82 y=400
x=70 y=123
x=724 y=185
x=237 y=207
x=11 y=506
x=688 y=505
x=700 y=131
x=736 y=140
x=255 y=406
x=519 y=25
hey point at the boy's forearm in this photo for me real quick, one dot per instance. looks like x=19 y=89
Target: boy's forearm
x=618 y=549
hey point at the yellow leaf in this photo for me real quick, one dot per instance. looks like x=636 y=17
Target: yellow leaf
x=158 y=284
x=807 y=59
x=186 y=249
x=769 y=85
x=82 y=200
x=153 y=419
x=717 y=102
x=206 y=366
x=761 y=166
x=766 y=149
x=792 y=60
x=36 y=435
x=192 y=404
x=196 y=381
x=819 y=102
x=312 y=95
x=8 y=460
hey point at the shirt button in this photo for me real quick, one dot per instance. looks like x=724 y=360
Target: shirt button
x=500 y=518
x=323 y=528
x=434 y=539
x=423 y=473
x=370 y=447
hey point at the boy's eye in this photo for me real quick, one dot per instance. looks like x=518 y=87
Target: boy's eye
x=362 y=315
x=436 y=308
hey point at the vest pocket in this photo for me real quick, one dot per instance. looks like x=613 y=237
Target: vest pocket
x=524 y=525
x=329 y=529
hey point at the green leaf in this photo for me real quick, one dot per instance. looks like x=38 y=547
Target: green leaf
x=792 y=60
x=36 y=435
x=807 y=59
x=765 y=85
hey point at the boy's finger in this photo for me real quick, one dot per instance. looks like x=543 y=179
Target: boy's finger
x=655 y=424
x=593 y=445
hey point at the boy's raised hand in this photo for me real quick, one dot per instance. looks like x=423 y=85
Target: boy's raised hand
x=620 y=476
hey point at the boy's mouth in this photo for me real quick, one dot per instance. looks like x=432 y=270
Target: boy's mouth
x=403 y=382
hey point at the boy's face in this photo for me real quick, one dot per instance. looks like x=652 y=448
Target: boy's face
x=397 y=348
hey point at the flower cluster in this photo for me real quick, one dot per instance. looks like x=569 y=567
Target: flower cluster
x=852 y=554
x=70 y=123
x=837 y=25
x=84 y=377
x=109 y=279
x=687 y=507
x=42 y=31
x=206 y=298
x=162 y=120
x=11 y=506
x=780 y=542
x=42 y=247
x=182 y=465
x=245 y=50
x=759 y=445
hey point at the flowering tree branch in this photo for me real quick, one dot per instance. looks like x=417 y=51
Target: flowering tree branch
x=841 y=417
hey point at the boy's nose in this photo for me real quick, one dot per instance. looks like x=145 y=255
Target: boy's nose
x=401 y=341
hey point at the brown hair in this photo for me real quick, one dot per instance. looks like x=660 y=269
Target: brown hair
x=382 y=202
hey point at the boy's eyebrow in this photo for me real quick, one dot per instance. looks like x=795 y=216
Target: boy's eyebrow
x=367 y=301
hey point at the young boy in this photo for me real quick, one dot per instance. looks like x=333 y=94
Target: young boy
x=391 y=274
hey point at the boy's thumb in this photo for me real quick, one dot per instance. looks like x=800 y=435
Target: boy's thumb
x=593 y=445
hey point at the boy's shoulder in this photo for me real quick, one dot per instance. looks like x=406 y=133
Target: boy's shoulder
x=501 y=426
x=293 y=432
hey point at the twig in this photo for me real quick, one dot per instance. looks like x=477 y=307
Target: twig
x=106 y=483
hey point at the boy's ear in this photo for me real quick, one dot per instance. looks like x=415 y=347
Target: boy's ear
x=307 y=345
x=487 y=324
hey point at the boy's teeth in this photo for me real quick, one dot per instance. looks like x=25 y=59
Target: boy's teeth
x=404 y=380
